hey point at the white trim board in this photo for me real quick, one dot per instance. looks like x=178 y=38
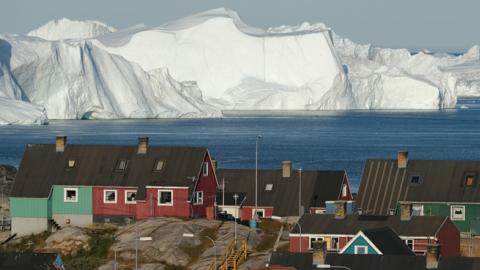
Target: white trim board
x=360 y=233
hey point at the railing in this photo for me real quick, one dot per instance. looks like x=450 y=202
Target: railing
x=233 y=256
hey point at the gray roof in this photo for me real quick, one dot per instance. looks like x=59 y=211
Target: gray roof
x=387 y=241
x=42 y=167
x=459 y=263
x=375 y=262
x=317 y=187
x=303 y=261
x=383 y=184
x=327 y=224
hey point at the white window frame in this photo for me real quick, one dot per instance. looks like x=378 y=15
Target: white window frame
x=344 y=191
x=313 y=239
x=65 y=195
x=452 y=212
x=421 y=208
x=269 y=187
x=105 y=196
x=158 y=198
x=356 y=247
x=130 y=202
x=413 y=243
x=205 y=168
x=197 y=202
x=258 y=210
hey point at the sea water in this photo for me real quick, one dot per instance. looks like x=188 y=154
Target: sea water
x=311 y=140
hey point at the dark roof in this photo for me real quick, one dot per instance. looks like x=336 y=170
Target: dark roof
x=303 y=261
x=375 y=262
x=387 y=241
x=33 y=261
x=42 y=167
x=229 y=200
x=383 y=184
x=457 y=263
x=351 y=224
x=317 y=187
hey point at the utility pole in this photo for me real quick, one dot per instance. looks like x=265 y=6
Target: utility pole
x=235 y=197
x=256 y=175
x=300 y=193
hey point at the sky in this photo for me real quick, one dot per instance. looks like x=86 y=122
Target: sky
x=436 y=25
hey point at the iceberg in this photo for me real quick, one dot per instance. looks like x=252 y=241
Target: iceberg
x=210 y=62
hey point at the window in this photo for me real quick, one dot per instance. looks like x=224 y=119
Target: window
x=361 y=249
x=260 y=213
x=415 y=180
x=344 y=191
x=71 y=163
x=165 y=197
x=391 y=211
x=315 y=241
x=159 y=164
x=409 y=243
x=198 y=197
x=130 y=196
x=457 y=212
x=417 y=210
x=268 y=187
x=70 y=195
x=334 y=243
x=121 y=165
x=469 y=179
x=205 y=169
x=110 y=196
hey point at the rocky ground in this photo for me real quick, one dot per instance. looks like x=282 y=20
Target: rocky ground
x=168 y=249
x=7 y=176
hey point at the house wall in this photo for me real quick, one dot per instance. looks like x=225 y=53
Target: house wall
x=120 y=208
x=472 y=213
x=29 y=225
x=82 y=207
x=207 y=184
x=360 y=241
x=246 y=212
x=449 y=239
x=349 y=192
x=295 y=243
x=30 y=207
x=181 y=207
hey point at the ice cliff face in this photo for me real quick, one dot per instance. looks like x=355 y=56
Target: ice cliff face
x=209 y=62
x=69 y=29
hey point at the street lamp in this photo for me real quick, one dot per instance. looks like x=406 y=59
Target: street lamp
x=328 y=266
x=299 y=228
x=235 y=197
x=191 y=235
x=136 y=245
x=256 y=174
x=300 y=193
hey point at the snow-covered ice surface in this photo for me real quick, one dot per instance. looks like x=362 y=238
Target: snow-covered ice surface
x=211 y=62
x=71 y=29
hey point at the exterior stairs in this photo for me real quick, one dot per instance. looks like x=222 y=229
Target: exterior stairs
x=233 y=256
x=54 y=224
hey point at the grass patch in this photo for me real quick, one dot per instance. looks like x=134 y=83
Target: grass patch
x=270 y=229
x=27 y=244
x=100 y=242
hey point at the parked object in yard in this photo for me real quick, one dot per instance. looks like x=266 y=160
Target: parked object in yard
x=61 y=185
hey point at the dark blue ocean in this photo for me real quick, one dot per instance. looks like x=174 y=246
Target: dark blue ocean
x=320 y=140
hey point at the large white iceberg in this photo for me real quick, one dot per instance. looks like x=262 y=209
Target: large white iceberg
x=204 y=64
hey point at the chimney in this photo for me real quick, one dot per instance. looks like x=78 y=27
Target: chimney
x=60 y=143
x=214 y=164
x=402 y=159
x=286 y=169
x=432 y=257
x=405 y=211
x=319 y=252
x=340 y=209
x=142 y=145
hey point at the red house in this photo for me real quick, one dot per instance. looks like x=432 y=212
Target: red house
x=278 y=191
x=419 y=232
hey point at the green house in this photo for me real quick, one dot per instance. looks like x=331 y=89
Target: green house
x=378 y=241
x=432 y=188
x=43 y=213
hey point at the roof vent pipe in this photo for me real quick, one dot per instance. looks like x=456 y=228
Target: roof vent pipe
x=142 y=145
x=402 y=159
x=60 y=143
